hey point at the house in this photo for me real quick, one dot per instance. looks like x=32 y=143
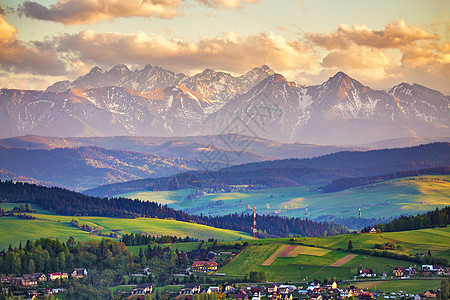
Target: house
x=272 y=288
x=399 y=271
x=213 y=289
x=195 y=287
x=64 y=275
x=79 y=273
x=143 y=272
x=147 y=287
x=419 y=297
x=313 y=285
x=411 y=271
x=366 y=273
x=430 y=294
x=186 y=291
x=427 y=269
x=138 y=291
x=366 y=296
x=5 y=279
x=28 y=280
x=373 y=230
x=330 y=285
x=204 y=266
x=256 y=296
x=40 y=277
x=54 y=276
x=439 y=270
x=229 y=289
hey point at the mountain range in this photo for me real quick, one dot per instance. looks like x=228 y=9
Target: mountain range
x=157 y=102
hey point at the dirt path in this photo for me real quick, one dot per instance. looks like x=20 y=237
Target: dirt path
x=287 y=250
x=343 y=260
x=274 y=256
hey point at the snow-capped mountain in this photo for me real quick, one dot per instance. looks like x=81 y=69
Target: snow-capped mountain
x=158 y=102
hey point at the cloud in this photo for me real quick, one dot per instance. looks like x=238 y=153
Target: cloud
x=34 y=57
x=396 y=34
x=231 y=51
x=397 y=52
x=70 y=12
x=226 y=3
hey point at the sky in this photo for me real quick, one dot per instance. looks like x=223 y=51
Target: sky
x=379 y=43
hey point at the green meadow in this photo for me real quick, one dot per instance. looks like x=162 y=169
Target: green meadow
x=14 y=230
x=394 y=286
x=410 y=195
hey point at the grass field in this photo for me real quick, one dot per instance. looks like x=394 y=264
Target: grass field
x=412 y=242
x=14 y=230
x=409 y=286
x=314 y=262
x=390 y=198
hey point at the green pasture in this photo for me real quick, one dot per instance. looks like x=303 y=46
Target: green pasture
x=410 y=286
x=14 y=230
x=410 y=195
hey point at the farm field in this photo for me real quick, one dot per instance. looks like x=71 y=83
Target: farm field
x=410 y=195
x=412 y=242
x=14 y=230
x=394 y=286
x=302 y=267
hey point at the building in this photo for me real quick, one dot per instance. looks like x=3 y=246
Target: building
x=366 y=273
x=142 y=289
x=204 y=266
x=430 y=294
x=194 y=287
x=29 y=280
x=399 y=271
x=54 y=276
x=79 y=273
x=40 y=277
x=213 y=289
x=373 y=230
x=272 y=288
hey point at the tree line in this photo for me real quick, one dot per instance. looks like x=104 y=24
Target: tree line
x=68 y=203
x=137 y=239
x=431 y=219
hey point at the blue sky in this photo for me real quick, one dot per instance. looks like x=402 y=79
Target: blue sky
x=380 y=43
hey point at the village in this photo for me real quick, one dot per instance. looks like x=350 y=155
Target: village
x=40 y=285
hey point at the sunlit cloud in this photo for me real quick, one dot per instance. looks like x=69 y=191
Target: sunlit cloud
x=34 y=57
x=364 y=53
x=226 y=3
x=231 y=51
x=70 y=12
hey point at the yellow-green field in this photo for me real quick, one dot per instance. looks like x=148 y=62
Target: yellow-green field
x=410 y=195
x=14 y=230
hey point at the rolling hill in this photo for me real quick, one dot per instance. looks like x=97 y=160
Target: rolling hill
x=48 y=224
x=295 y=172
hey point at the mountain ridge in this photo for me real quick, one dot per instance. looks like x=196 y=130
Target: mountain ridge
x=157 y=102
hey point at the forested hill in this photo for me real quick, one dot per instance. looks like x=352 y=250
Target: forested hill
x=292 y=172
x=70 y=203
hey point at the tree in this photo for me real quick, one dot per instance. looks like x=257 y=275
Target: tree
x=444 y=293
x=350 y=245
x=31 y=266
